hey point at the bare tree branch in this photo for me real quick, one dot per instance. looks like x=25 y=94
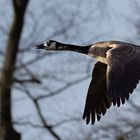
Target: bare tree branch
x=31 y=80
x=68 y=85
x=43 y=120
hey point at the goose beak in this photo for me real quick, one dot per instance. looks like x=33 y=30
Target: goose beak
x=40 y=46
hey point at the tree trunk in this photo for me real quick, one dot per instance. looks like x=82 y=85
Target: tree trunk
x=7 y=131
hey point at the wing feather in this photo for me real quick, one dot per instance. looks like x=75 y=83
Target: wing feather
x=97 y=101
x=123 y=72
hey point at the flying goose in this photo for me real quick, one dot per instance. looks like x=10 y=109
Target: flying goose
x=115 y=75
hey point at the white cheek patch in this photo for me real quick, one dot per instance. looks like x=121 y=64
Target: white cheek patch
x=53 y=45
x=45 y=44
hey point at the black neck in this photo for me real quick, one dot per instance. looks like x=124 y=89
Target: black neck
x=75 y=48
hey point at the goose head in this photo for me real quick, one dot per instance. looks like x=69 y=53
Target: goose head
x=55 y=45
x=48 y=45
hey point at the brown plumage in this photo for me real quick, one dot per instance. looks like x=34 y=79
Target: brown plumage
x=114 y=77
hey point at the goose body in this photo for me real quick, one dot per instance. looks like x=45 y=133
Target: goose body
x=114 y=77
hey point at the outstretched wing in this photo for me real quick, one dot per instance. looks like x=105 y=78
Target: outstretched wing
x=123 y=72
x=97 y=101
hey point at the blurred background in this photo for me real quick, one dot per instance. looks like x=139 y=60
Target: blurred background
x=49 y=88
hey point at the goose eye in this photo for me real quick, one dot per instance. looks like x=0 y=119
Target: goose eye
x=48 y=43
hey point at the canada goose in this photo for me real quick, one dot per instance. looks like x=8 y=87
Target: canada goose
x=115 y=75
